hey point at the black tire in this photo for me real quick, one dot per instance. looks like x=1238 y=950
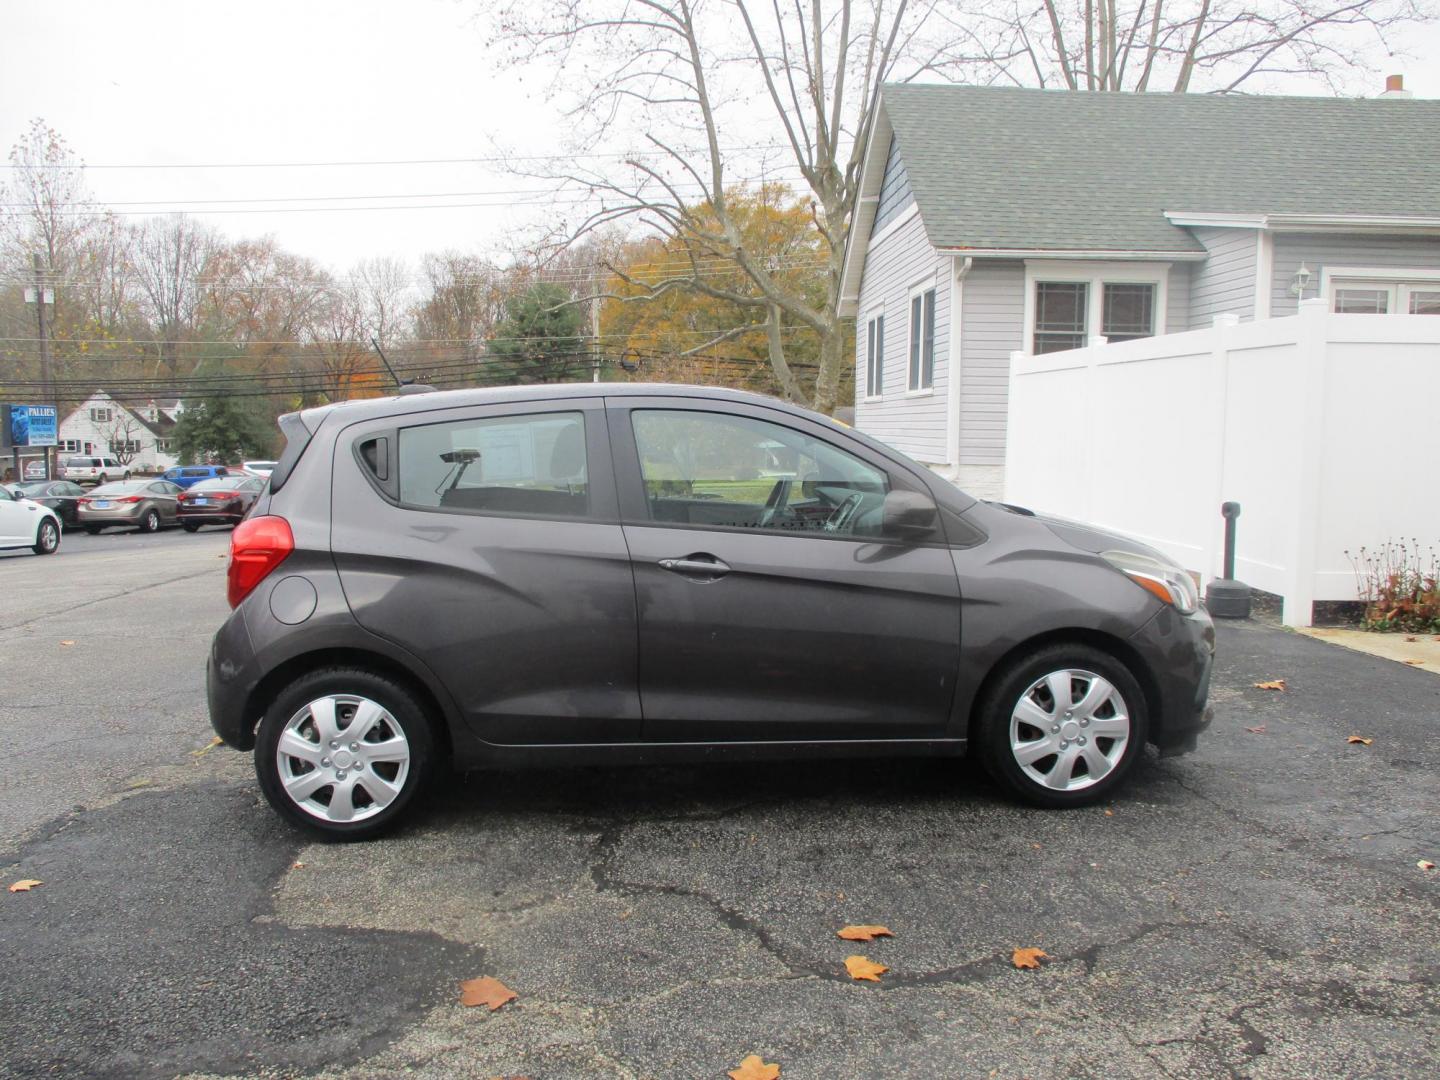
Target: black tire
x=93 y=530
x=47 y=538
x=992 y=729
x=189 y=526
x=151 y=521
x=103 y=480
x=402 y=705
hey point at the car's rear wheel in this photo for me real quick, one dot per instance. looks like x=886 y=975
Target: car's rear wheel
x=150 y=522
x=93 y=530
x=1064 y=726
x=344 y=752
x=47 y=538
x=189 y=526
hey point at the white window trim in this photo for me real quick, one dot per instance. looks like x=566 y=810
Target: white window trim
x=1097 y=275
x=877 y=312
x=920 y=288
x=1398 y=282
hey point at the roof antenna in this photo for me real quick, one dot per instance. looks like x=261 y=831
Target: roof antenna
x=402 y=386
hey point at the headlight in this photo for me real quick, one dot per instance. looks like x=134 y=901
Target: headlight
x=1166 y=581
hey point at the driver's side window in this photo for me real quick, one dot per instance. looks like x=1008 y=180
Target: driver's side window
x=714 y=470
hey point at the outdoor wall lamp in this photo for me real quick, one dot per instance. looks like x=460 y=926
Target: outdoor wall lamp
x=1300 y=280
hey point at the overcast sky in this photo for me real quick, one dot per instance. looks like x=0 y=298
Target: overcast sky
x=186 y=81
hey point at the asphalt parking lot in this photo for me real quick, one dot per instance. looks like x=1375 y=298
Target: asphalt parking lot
x=1253 y=909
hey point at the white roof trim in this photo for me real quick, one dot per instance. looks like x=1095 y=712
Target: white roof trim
x=1054 y=253
x=1306 y=222
x=872 y=175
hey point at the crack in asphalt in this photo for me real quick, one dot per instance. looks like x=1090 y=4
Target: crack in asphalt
x=104 y=599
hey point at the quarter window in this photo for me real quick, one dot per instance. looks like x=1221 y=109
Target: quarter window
x=532 y=464
x=716 y=471
x=922 y=340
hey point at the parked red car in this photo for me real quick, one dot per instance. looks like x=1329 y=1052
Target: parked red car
x=222 y=501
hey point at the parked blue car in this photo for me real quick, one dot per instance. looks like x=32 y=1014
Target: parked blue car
x=187 y=475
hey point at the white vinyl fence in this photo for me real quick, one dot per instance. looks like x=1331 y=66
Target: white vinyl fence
x=1324 y=427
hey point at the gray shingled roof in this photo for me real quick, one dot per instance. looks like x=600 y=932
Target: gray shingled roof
x=1010 y=168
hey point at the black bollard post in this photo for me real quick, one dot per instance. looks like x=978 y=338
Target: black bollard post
x=1225 y=597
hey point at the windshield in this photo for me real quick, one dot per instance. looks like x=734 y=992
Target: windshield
x=34 y=487
x=121 y=487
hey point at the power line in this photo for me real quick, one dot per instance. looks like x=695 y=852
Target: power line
x=491 y=160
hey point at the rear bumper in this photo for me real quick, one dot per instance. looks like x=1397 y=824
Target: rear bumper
x=231 y=676
x=1179 y=651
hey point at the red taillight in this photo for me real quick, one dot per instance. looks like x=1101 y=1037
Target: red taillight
x=129 y=499
x=86 y=499
x=257 y=546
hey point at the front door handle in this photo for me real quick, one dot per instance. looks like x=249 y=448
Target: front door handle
x=701 y=565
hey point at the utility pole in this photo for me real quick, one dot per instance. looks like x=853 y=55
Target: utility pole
x=595 y=323
x=47 y=376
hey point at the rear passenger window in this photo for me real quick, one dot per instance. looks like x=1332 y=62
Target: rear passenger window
x=505 y=465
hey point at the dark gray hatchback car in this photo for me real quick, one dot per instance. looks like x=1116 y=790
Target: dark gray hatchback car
x=600 y=573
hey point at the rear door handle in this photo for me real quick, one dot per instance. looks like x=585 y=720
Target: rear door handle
x=699 y=565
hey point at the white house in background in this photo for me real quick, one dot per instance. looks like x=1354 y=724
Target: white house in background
x=140 y=433
x=994 y=220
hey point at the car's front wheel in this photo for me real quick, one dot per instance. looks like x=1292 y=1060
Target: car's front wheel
x=344 y=752
x=47 y=538
x=1064 y=726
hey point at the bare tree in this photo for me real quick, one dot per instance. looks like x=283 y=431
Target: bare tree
x=123 y=435
x=382 y=286
x=1179 y=45
x=167 y=256
x=45 y=207
x=698 y=85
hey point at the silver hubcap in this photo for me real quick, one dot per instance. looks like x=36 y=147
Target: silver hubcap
x=1069 y=729
x=49 y=537
x=343 y=758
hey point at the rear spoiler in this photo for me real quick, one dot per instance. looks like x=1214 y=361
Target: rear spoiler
x=297 y=438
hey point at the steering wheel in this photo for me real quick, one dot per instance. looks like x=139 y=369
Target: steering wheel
x=776 y=504
x=841 y=516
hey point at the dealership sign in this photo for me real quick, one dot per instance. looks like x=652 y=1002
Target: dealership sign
x=29 y=425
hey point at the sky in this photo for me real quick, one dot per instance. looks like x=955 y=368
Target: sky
x=184 y=82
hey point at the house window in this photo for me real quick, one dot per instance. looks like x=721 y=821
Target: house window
x=1071 y=303
x=1383 y=292
x=1060 y=315
x=875 y=357
x=69 y=446
x=164 y=445
x=101 y=416
x=922 y=340
x=127 y=446
x=1129 y=311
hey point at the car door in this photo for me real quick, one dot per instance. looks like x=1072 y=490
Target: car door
x=16 y=521
x=771 y=602
x=163 y=494
x=486 y=541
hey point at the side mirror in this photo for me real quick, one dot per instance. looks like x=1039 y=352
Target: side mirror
x=909 y=514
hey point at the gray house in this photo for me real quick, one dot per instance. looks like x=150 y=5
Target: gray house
x=997 y=220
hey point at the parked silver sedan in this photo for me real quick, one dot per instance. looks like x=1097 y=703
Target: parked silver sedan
x=144 y=504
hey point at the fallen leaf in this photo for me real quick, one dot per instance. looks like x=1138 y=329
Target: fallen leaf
x=863 y=933
x=66 y=644
x=1425 y=864
x=216 y=741
x=1415 y=663
x=1028 y=958
x=25 y=885
x=1273 y=684
x=1256 y=730
x=1359 y=739
x=1411 y=637
x=1036 y=846
x=297 y=866
x=754 y=1068
x=861 y=968
x=1109 y=813
x=486 y=991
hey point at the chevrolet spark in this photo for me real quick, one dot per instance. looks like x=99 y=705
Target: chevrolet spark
x=602 y=574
